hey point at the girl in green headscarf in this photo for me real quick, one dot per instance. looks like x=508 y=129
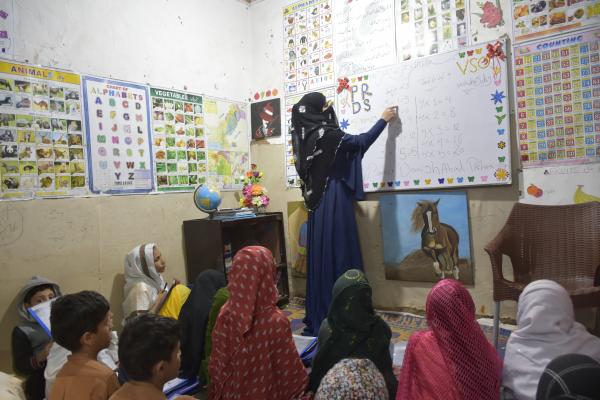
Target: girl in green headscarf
x=352 y=330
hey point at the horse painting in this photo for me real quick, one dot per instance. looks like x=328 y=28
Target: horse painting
x=439 y=241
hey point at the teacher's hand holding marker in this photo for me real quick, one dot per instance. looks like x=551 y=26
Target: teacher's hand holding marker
x=389 y=113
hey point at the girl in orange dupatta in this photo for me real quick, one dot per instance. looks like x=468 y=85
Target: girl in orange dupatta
x=452 y=360
x=253 y=354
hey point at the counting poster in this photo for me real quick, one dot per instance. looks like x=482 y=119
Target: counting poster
x=307 y=46
x=178 y=141
x=558 y=99
x=118 y=133
x=41 y=141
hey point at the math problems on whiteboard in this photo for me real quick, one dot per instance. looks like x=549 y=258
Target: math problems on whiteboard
x=453 y=127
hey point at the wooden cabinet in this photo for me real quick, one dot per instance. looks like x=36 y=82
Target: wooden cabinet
x=207 y=240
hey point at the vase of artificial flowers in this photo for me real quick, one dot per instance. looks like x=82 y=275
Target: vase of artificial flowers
x=254 y=195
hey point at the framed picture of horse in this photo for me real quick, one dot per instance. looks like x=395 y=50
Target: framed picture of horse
x=426 y=236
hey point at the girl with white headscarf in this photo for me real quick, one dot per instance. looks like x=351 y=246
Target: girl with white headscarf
x=546 y=330
x=145 y=286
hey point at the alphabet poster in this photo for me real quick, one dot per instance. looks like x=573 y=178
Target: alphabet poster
x=307 y=46
x=41 y=141
x=179 y=144
x=118 y=131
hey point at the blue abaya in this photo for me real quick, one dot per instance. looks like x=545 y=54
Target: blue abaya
x=333 y=245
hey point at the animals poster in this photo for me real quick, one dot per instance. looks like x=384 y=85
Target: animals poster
x=559 y=185
x=291 y=175
x=308 y=46
x=558 y=99
x=266 y=119
x=535 y=19
x=41 y=141
x=426 y=236
x=178 y=141
x=426 y=27
x=226 y=125
x=490 y=19
x=298 y=234
x=118 y=132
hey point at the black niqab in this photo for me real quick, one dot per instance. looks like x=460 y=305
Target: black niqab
x=316 y=137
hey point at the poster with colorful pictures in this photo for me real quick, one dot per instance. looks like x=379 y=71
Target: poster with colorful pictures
x=558 y=185
x=558 y=99
x=41 y=141
x=226 y=124
x=535 y=19
x=266 y=119
x=118 y=132
x=426 y=27
x=308 y=46
x=364 y=35
x=490 y=19
x=178 y=141
x=291 y=175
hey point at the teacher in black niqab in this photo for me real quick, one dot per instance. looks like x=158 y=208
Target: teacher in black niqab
x=316 y=137
x=329 y=164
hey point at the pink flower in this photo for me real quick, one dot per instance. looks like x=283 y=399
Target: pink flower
x=492 y=15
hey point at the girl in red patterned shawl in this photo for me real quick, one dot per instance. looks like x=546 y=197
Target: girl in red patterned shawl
x=452 y=360
x=253 y=354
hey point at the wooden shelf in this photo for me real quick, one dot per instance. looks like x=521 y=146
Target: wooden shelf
x=205 y=240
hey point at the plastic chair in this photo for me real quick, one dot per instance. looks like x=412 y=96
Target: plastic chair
x=561 y=243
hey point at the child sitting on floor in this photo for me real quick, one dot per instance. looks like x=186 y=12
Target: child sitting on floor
x=145 y=287
x=82 y=323
x=30 y=342
x=149 y=355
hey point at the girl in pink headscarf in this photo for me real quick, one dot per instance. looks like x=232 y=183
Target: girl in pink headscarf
x=452 y=360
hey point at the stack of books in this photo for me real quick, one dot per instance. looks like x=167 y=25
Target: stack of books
x=233 y=213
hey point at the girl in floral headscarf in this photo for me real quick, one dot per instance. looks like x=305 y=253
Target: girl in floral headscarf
x=353 y=379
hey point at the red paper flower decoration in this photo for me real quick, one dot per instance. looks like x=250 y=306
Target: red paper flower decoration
x=495 y=50
x=343 y=84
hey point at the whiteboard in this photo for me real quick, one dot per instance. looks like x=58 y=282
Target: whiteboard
x=454 y=121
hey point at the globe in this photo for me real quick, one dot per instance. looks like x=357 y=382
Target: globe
x=207 y=199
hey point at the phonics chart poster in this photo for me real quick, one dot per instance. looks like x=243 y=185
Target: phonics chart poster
x=308 y=46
